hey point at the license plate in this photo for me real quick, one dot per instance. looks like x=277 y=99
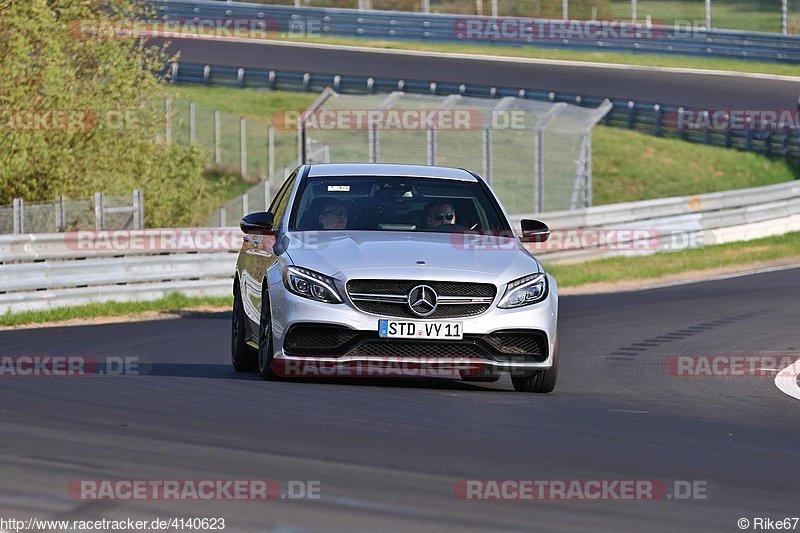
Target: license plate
x=406 y=329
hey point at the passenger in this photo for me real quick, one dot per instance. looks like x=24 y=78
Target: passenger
x=439 y=212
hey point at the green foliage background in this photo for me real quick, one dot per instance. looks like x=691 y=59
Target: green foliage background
x=48 y=64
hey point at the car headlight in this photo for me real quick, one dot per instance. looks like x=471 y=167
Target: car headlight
x=524 y=291
x=309 y=284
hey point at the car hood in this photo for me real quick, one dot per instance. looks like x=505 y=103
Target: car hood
x=444 y=255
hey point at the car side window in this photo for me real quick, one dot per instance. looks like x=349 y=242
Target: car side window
x=282 y=200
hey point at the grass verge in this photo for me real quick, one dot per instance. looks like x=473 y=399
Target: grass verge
x=657 y=266
x=173 y=302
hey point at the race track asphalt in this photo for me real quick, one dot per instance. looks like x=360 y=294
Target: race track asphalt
x=689 y=89
x=387 y=453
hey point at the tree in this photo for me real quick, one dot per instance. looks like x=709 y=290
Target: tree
x=78 y=109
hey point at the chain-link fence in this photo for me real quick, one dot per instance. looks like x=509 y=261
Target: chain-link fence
x=103 y=212
x=536 y=155
x=250 y=147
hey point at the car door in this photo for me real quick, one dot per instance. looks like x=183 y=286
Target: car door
x=260 y=255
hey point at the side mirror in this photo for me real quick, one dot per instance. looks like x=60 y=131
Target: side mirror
x=534 y=231
x=258 y=223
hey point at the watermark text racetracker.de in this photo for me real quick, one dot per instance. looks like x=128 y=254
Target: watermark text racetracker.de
x=194 y=28
x=729 y=365
x=409 y=119
x=629 y=240
x=723 y=120
x=580 y=489
x=193 y=489
x=58 y=366
x=531 y=30
x=155 y=241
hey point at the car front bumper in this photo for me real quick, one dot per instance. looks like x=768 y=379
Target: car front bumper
x=365 y=353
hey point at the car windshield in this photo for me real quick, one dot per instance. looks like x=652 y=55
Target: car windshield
x=396 y=204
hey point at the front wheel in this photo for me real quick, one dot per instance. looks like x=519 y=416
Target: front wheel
x=541 y=381
x=265 y=341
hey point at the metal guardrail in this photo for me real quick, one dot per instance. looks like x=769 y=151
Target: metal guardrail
x=54 y=270
x=645 y=117
x=443 y=28
x=40 y=271
x=669 y=224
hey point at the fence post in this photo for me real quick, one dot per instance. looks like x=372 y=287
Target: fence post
x=487 y=154
x=243 y=144
x=61 y=219
x=431 y=146
x=708 y=14
x=217 y=138
x=271 y=151
x=634 y=11
x=587 y=169
x=266 y=194
x=168 y=111
x=784 y=17
x=99 y=211
x=222 y=217
x=539 y=169
x=19 y=216
x=138 y=209
x=245 y=204
x=373 y=143
x=192 y=122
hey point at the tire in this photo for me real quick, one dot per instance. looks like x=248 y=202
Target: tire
x=243 y=357
x=265 y=341
x=540 y=381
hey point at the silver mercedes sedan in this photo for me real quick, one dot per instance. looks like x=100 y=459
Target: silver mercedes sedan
x=393 y=270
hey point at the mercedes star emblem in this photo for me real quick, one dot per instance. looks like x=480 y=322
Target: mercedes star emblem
x=422 y=300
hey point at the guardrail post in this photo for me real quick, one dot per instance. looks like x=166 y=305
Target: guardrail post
x=192 y=122
x=659 y=119
x=217 y=138
x=487 y=154
x=168 y=111
x=174 y=73
x=768 y=144
x=19 y=216
x=748 y=136
x=138 y=209
x=243 y=144
x=61 y=219
x=99 y=211
x=631 y=114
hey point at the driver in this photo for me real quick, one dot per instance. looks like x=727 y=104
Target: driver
x=439 y=212
x=333 y=214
